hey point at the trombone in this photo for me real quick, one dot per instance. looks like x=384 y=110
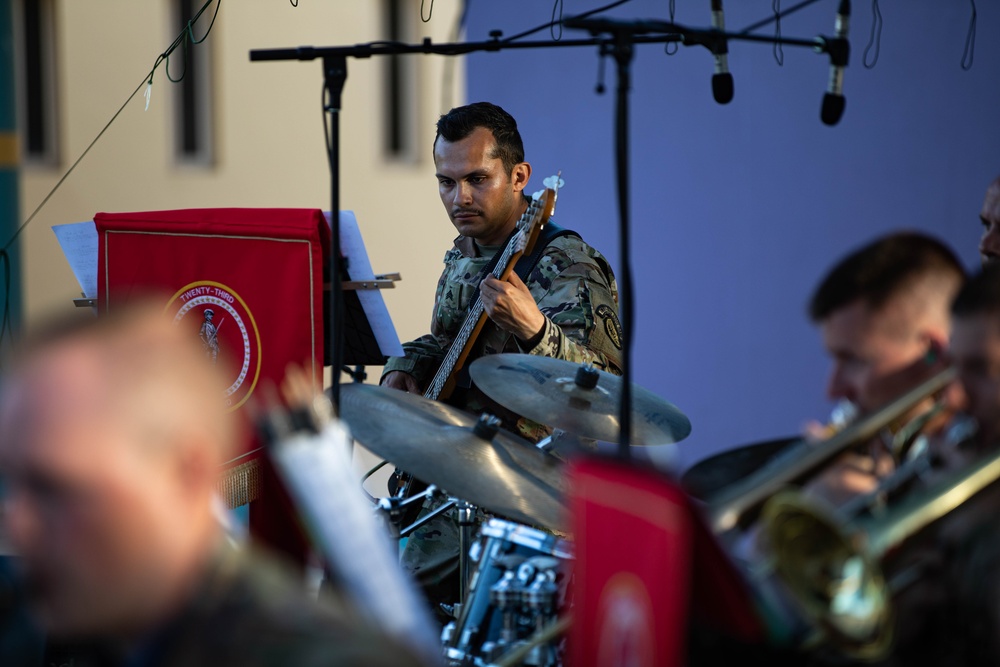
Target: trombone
x=741 y=504
x=834 y=567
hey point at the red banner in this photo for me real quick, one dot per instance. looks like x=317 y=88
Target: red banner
x=247 y=282
x=646 y=569
x=631 y=576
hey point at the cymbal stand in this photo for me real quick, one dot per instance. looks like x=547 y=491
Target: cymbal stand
x=392 y=509
x=466 y=524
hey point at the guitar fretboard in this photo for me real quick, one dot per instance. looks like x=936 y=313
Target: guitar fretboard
x=477 y=310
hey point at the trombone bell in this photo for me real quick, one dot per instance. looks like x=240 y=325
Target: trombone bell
x=833 y=567
x=829 y=574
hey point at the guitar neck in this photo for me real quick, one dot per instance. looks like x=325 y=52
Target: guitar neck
x=443 y=383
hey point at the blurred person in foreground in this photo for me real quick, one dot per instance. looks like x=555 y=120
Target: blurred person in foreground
x=112 y=432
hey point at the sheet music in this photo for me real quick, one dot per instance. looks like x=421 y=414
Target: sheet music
x=317 y=472
x=352 y=246
x=79 y=244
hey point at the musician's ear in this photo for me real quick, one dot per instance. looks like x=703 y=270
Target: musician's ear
x=519 y=175
x=935 y=351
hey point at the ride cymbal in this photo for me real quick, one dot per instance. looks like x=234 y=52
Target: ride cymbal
x=576 y=398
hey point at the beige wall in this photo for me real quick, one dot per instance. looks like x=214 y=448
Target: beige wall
x=269 y=137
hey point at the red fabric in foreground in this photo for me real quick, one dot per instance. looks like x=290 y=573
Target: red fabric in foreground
x=633 y=561
x=645 y=568
x=260 y=272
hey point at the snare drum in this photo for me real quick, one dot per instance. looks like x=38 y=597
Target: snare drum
x=518 y=587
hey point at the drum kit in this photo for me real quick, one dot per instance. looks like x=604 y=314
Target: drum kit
x=515 y=571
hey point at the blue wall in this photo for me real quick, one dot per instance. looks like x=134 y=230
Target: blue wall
x=739 y=209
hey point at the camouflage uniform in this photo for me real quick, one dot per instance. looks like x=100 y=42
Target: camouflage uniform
x=575 y=289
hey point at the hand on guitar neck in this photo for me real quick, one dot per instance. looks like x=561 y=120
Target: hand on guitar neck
x=511 y=307
x=508 y=303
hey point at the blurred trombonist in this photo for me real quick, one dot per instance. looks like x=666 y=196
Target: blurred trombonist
x=883 y=312
x=113 y=434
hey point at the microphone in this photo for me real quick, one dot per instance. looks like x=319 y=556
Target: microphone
x=722 y=80
x=839 y=50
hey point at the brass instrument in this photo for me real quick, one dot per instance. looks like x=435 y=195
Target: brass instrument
x=834 y=568
x=742 y=503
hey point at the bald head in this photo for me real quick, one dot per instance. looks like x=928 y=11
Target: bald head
x=113 y=433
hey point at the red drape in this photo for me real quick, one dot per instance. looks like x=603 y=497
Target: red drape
x=249 y=284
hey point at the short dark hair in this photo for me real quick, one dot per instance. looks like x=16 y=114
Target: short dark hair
x=881 y=270
x=980 y=295
x=460 y=122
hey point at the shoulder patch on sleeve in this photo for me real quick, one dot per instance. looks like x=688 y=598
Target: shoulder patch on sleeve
x=611 y=324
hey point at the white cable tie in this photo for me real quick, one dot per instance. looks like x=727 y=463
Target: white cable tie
x=149 y=92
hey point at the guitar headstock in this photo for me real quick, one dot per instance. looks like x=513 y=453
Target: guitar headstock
x=541 y=208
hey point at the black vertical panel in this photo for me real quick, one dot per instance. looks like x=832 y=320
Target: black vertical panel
x=394 y=81
x=34 y=79
x=190 y=126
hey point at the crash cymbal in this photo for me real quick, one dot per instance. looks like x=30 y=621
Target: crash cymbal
x=711 y=475
x=562 y=394
x=440 y=444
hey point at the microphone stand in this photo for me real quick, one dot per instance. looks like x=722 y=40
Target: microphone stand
x=624 y=35
x=334 y=77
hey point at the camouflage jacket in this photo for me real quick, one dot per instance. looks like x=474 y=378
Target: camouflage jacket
x=575 y=289
x=249 y=611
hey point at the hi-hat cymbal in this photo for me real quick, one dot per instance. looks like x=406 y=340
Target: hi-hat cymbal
x=709 y=476
x=557 y=393
x=439 y=444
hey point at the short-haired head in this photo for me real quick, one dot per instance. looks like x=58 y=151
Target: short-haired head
x=460 y=122
x=884 y=270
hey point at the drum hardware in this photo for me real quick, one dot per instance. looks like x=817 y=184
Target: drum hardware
x=576 y=398
x=466 y=524
x=518 y=655
x=541 y=598
x=834 y=568
x=546 y=444
x=738 y=505
x=506 y=595
x=393 y=508
x=516 y=591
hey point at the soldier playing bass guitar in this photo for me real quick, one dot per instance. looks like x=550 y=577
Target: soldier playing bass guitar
x=564 y=303
x=567 y=307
